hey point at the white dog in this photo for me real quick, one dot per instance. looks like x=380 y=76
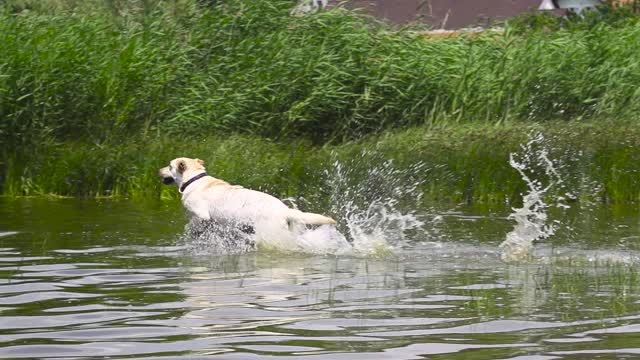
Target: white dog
x=209 y=199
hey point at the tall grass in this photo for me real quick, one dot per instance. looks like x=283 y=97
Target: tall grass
x=249 y=67
x=462 y=164
x=89 y=87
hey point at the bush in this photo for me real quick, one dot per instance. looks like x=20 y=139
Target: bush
x=608 y=14
x=136 y=72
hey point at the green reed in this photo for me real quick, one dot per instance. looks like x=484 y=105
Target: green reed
x=564 y=290
x=598 y=162
x=94 y=96
x=248 y=66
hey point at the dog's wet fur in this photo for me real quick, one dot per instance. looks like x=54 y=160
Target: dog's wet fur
x=215 y=205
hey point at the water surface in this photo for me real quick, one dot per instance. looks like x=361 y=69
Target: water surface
x=93 y=279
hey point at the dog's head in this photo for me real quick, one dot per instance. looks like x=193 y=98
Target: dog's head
x=175 y=172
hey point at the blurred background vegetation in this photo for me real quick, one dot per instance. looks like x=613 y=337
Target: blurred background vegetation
x=95 y=95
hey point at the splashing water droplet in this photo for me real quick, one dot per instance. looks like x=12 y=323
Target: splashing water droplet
x=532 y=218
x=368 y=201
x=366 y=197
x=206 y=238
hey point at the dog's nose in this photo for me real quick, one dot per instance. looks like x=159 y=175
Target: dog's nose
x=168 y=180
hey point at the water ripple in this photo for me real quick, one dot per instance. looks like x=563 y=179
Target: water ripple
x=83 y=294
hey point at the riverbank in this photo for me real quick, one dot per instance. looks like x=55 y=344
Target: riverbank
x=596 y=161
x=94 y=98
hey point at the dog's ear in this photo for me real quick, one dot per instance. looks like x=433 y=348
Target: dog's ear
x=201 y=162
x=182 y=166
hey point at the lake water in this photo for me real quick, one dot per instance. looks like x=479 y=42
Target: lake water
x=94 y=279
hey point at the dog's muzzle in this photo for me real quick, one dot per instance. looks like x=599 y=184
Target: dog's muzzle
x=166 y=176
x=168 y=180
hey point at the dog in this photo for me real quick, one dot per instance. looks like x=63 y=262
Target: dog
x=215 y=201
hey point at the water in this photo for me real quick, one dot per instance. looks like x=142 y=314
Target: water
x=374 y=205
x=531 y=219
x=93 y=279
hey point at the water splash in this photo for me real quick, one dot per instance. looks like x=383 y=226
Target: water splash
x=366 y=198
x=532 y=218
x=205 y=238
x=369 y=200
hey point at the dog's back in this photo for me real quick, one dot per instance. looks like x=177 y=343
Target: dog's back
x=237 y=202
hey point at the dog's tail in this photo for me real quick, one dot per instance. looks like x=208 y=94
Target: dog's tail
x=298 y=216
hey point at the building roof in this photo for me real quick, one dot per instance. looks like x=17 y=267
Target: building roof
x=456 y=14
x=445 y=14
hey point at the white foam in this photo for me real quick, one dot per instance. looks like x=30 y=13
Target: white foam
x=532 y=218
x=367 y=203
x=365 y=200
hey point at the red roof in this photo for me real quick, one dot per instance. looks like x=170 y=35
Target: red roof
x=446 y=14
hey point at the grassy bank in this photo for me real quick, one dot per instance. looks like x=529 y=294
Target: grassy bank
x=597 y=162
x=249 y=67
x=95 y=97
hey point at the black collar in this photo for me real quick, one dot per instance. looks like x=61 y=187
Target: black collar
x=190 y=181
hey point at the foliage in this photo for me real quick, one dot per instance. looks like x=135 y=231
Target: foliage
x=86 y=87
x=249 y=67
x=597 y=161
x=608 y=14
